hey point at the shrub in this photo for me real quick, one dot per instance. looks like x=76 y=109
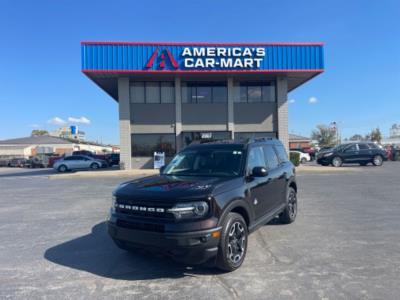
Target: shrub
x=295 y=158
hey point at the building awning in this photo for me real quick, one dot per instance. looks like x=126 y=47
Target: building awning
x=104 y=62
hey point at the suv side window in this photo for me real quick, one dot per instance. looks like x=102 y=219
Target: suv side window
x=255 y=159
x=281 y=152
x=373 y=146
x=363 y=147
x=270 y=157
x=351 y=147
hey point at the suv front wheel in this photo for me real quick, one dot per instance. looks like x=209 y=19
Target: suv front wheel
x=289 y=214
x=233 y=243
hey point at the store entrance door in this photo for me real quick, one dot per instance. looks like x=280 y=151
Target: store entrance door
x=199 y=137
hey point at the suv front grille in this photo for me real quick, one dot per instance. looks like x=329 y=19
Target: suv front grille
x=133 y=208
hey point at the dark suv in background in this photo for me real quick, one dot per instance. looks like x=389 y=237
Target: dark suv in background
x=206 y=201
x=359 y=152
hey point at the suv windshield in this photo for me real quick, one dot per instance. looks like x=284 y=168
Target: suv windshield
x=206 y=162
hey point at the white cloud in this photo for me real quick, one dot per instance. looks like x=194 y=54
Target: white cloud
x=291 y=101
x=312 y=100
x=81 y=120
x=57 y=121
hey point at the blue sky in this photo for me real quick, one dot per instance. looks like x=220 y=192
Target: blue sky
x=40 y=76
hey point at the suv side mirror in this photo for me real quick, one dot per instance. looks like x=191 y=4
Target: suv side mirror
x=259 y=172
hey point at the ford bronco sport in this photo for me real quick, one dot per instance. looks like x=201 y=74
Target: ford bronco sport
x=205 y=202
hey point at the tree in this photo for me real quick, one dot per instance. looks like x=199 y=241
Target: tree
x=325 y=136
x=376 y=135
x=39 y=132
x=356 y=137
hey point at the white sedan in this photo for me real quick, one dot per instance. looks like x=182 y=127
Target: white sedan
x=304 y=157
x=76 y=162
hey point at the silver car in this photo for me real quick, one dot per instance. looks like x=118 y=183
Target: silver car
x=77 y=162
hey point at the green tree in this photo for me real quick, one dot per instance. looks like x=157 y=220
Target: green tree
x=38 y=132
x=376 y=135
x=325 y=136
x=356 y=137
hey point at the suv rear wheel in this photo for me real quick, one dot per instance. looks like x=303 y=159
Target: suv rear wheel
x=377 y=160
x=289 y=214
x=233 y=243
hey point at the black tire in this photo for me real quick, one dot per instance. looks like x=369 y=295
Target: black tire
x=303 y=160
x=377 y=160
x=94 y=166
x=337 y=162
x=233 y=243
x=289 y=214
x=62 y=168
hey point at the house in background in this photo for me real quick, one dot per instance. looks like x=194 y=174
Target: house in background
x=299 y=142
x=34 y=145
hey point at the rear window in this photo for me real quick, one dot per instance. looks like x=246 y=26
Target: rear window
x=281 y=152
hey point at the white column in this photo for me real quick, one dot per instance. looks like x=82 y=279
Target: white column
x=178 y=113
x=282 y=124
x=124 y=124
x=231 y=121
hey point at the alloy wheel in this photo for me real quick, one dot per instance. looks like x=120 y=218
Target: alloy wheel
x=236 y=242
x=292 y=205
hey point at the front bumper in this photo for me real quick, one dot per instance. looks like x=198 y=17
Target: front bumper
x=192 y=247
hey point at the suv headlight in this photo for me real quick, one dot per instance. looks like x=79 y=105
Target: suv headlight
x=328 y=154
x=189 y=210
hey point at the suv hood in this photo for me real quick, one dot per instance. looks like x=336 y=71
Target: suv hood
x=171 y=188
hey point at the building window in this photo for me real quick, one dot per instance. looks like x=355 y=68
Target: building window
x=137 y=92
x=147 y=144
x=195 y=92
x=254 y=92
x=198 y=137
x=249 y=135
x=152 y=92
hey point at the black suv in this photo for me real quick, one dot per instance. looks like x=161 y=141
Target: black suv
x=360 y=152
x=206 y=201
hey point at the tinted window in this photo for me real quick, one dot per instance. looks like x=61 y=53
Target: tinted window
x=153 y=93
x=147 y=144
x=270 y=157
x=254 y=92
x=71 y=158
x=247 y=135
x=352 y=147
x=194 y=92
x=167 y=92
x=137 y=92
x=282 y=154
x=363 y=147
x=373 y=146
x=255 y=158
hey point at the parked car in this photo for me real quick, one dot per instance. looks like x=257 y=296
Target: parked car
x=4 y=162
x=112 y=159
x=359 y=152
x=76 y=162
x=206 y=201
x=304 y=157
x=17 y=162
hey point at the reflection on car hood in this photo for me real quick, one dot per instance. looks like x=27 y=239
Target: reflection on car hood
x=167 y=187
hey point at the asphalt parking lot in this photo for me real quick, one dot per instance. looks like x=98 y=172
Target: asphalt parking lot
x=345 y=244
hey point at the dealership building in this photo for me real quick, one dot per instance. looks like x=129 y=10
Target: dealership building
x=173 y=94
